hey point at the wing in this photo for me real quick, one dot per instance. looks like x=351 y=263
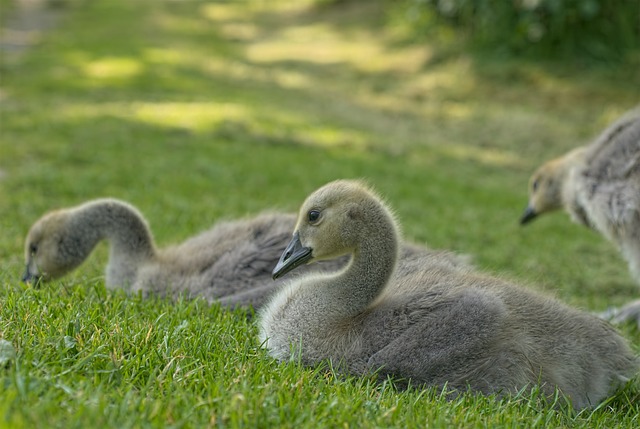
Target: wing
x=454 y=343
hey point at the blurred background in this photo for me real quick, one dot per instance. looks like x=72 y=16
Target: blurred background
x=200 y=110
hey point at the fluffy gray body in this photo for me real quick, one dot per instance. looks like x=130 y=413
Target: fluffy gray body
x=431 y=323
x=599 y=186
x=606 y=187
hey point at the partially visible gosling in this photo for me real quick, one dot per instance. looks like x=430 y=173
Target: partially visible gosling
x=599 y=186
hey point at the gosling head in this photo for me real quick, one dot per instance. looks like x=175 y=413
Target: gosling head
x=330 y=224
x=546 y=185
x=545 y=190
x=48 y=254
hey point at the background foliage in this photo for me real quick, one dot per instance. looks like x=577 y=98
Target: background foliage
x=589 y=29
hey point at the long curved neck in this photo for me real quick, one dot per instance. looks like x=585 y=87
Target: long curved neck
x=124 y=227
x=372 y=264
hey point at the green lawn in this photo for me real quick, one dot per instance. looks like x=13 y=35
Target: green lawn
x=196 y=111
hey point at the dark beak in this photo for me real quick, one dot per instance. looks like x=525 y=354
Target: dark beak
x=528 y=215
x=292 y=257
x=30 y=278
x=27 y=276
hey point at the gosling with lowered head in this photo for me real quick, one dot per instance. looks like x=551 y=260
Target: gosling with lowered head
x=231 y=262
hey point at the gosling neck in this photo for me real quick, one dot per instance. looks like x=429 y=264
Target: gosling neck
x=372 y=264
x=130 y=240
x=571 y=164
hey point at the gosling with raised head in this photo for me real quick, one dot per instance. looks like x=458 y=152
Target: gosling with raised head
x=432 y=324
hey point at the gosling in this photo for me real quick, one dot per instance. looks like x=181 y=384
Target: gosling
x=424 y=323
x=599 y=186
x=231 y=262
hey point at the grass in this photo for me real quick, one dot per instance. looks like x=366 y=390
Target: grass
x=196 y=111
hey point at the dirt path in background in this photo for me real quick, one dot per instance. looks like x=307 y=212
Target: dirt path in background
x=25 y=25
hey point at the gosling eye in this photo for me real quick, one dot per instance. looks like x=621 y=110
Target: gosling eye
x=33 y=248
x=313 y=216
x=535 y=184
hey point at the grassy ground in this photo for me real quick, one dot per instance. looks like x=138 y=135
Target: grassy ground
x=196 y=111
